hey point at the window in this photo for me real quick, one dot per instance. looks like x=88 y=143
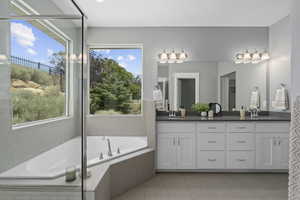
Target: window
x=115 y=81
x=39 y=81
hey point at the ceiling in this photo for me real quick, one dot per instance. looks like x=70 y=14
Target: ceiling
x=178 y=13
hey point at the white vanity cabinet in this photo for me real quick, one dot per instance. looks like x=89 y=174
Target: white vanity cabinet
x=211 y=143
x=272 y=146
x=222 y=146
x=241 y=145
x=176 y=146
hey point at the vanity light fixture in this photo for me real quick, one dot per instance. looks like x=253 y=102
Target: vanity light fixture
x=248 y=57
x=172 y=57
x=99 y=1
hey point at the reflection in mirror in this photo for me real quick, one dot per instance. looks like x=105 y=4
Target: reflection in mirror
x=228 y=91
x=224 y=82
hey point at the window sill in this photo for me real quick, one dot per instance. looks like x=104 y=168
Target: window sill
x=38 y=123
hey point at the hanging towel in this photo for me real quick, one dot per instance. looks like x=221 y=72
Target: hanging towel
x=294 y=162
x=281 y=101
x=158 y=98
x=255 y=100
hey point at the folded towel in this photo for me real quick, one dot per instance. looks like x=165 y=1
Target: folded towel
x=281 y=101
x=158 y=98
x=294 y=162
x=254 y=100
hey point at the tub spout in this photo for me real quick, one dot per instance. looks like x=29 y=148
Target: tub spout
x=109 y=153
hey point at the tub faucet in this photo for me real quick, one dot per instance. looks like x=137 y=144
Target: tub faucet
x=109 y=153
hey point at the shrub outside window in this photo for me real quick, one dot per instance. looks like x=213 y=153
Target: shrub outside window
x=38 y=73
x=115 y=81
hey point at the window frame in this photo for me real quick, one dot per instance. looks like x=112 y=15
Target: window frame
x=26 y=10
x=116 y=46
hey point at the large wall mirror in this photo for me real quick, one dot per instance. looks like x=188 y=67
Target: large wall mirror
x=224 y=82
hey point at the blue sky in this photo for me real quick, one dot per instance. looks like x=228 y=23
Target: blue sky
x=130 y=59
x=29 y=42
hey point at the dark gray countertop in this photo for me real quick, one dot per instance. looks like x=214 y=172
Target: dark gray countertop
x=226 y=118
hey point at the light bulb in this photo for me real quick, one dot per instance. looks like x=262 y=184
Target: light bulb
x=182 y=55
x=163 y=57
x=256 y=57
x=265 y=56
x=172 y=57
x=238 y=59
x=247 y=57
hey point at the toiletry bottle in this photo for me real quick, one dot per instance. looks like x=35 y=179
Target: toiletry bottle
x=210 y=114
x=242 y=113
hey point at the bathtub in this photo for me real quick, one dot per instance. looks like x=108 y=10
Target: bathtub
x=53 y=163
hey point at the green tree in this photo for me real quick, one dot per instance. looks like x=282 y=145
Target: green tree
x=111 y=86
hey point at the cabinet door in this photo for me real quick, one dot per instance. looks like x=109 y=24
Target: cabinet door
x=282 y=153
x=265 y=144
x=186 y=158
x=166 y=151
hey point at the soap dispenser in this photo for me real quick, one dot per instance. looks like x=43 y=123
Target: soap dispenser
x=242 y=113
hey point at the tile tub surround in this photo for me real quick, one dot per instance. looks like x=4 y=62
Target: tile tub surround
x=200 y=186
x=107 y=181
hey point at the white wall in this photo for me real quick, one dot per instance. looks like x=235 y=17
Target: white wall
x=280 y=51
x=19 y=145
x=248 y=76
x=295 y=24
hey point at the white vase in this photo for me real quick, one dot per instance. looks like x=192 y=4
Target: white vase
x=203 y=114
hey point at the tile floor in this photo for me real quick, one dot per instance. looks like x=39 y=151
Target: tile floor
x=204 y=186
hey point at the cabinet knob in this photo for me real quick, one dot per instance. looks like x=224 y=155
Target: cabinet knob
x=241 y=160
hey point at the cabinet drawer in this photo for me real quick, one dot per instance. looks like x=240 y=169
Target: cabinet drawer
x=241 y=141
x=241 y=127
x=176 y=127
x=273 y=127
x=241 y=160
x=211 y=127
x=211 y=141
x=211 y=160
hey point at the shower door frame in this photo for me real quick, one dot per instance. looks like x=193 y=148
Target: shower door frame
x=83 y=77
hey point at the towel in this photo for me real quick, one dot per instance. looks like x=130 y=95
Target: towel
x=281 y=101
x=294 y=162
x=158 y=98
x=254 y=100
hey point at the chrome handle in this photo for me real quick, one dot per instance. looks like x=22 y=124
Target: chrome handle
x=212 y=127
x=241 y=141
x=174 y=141
x=241 y=160
x=212 y=160
x=178 y=142
x=241 y=127
x=211 y=142
x=279 y=141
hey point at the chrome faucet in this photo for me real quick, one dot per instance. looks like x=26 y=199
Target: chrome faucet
x=109 y=153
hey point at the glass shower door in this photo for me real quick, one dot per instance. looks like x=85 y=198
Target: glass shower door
x=42 y=136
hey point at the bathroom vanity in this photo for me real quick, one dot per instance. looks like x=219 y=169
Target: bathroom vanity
x=223 y=144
